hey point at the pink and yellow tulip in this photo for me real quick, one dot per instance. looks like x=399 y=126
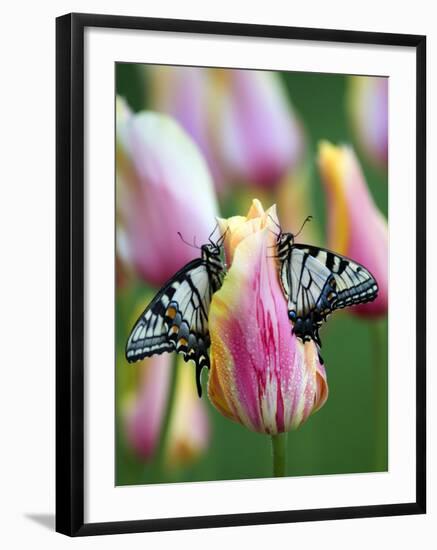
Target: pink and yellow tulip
x=356 y=228
x=261 y=375
x=163 y=187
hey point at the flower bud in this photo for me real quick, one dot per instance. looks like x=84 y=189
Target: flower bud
x=262 y=375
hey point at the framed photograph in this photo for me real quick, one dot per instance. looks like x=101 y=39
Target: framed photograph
x=240 y=274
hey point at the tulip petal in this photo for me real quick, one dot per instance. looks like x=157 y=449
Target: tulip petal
x=163 y=188
x=260 y=136
x=185 y=94
x=238 y=228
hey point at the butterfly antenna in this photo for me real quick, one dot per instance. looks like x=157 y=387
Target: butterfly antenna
x=212 y=232
x=186 y=242
x=277 y=225
x=222 y=238
x=307 y=219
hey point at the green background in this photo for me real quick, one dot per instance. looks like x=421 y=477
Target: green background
x=349 y=434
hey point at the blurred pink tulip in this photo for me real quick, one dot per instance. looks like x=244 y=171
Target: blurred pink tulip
x=261 y=375
x=184 y=93
x=241 y=120
x=163 y=187
x=145 y=410
x=259 y=137
x=188 y=432
x=122 y=254
x=356 y=228
x=368 y=108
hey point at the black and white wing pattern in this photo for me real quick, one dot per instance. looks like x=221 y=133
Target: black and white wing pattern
x=316 y=282
x=177 y=317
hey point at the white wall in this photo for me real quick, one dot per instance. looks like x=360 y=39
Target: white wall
x=27 y=89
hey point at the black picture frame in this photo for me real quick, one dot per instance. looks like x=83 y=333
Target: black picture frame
x=70 y=272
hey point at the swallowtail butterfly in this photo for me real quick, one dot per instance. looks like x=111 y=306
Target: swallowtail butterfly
x=177 y=317
x=316 y=282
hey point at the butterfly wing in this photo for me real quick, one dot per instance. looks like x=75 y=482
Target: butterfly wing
x=354 y=284
x=176 y=320
x=318 y=281
x=308 y=285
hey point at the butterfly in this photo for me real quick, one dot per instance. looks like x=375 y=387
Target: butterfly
x=317 y=281
x=177 y=317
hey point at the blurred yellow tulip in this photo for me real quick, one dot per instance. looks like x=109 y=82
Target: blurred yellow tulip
x=356 y=228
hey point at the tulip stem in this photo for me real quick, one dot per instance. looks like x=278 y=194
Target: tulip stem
x=163 y=439
x=279 y=452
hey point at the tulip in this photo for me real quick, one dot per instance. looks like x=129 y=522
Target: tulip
x=163 y=187
x=368 y=108
x=262 y=375
x=143 y=413
x=185 y=94
x=241 y=120
x=188 y=431
x=122 y=252
x=356 y=228
x=259 y=136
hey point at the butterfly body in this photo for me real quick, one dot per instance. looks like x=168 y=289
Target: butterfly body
x=177 y=317
x=316 y=282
